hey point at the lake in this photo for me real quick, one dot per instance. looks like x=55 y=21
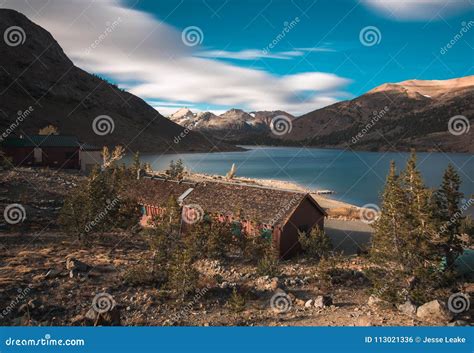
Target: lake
x=355 y=177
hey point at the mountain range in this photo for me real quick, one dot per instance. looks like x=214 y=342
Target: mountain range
x=394 y=116
x=232 y=126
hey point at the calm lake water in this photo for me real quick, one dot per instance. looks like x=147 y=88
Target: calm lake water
x=356 y=177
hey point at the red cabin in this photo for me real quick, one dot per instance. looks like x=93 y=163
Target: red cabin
x=281 y=213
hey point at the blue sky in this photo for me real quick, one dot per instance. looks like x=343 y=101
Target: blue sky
x=409 y=48
x=320 y=60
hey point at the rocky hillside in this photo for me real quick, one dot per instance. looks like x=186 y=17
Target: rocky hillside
x=37 y=73
x=234 y=125
x=395 y=116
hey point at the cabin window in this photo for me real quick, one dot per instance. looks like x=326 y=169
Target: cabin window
x=69 y=155
x=266 y=233
x=236 y=229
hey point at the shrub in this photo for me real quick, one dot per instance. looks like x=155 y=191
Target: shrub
x=139 y=274
x=101 y=203
x=316 y=244
x=268 y=266
x=236 y=302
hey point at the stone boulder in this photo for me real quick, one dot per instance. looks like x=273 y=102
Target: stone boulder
x=107 y=318
x=407 y=308
x=376 y=301
x=322 y=301
x=76 y=266
x=434 y=310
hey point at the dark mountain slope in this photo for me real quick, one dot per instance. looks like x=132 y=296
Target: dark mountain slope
x=37 y=73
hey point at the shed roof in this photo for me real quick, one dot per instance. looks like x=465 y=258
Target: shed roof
x=47 y=141
x=261 y=204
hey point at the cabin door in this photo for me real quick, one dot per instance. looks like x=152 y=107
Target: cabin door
x=38 y=155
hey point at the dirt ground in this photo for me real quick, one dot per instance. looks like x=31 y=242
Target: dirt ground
x=33 y=267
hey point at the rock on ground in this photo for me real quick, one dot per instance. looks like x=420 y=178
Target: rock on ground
x=434 y=310
x=407 y=308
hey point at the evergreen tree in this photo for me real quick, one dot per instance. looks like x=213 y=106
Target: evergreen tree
x=183 y=277
x=136 y=165
x=419 y=215
x=388 y=240
x=449 y=215
x=403 y=241
x=175 y=170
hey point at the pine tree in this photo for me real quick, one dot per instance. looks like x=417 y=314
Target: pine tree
x=175 y=170
x=183 y=277
x=419 y=214
x=403 y=241
x=389 y=229
x=136 y=165
x=236 y=302
x=449 y=215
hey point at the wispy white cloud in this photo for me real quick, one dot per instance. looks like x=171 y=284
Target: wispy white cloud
x=315 y=49
x=255 y=54
x=418 y=9
x=249 y=54
x=149 y=58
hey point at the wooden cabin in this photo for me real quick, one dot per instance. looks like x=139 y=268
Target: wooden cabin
x=279 y=213
x=54 y=151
